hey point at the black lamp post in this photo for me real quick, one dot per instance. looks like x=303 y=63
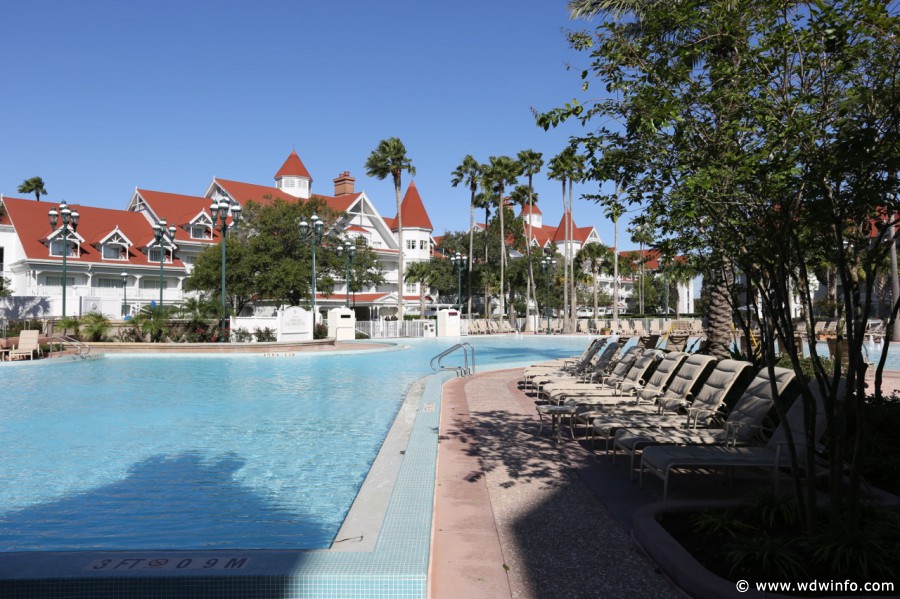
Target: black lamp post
x=162 y=235
x=349 y=251
x=549 y=266
x=460 y=262
x=220 y=212
x=312 y=232
x=69 y=223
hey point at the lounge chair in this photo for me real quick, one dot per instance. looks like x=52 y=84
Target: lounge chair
x=702 y=408
x=742 y=423
x=660 y=460
x=561 y=362
x=576 y=366
x=613 y=385
x=637 y=393
x=596 y=371
x=28 y=345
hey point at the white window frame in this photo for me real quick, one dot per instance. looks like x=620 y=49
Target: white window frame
x=206 y=232
x=120 y=249
x=55 y=243
x=167 y=255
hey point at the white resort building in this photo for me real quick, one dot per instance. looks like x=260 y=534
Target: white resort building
x=113 y=258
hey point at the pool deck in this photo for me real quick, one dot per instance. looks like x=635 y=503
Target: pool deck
x=517 y=515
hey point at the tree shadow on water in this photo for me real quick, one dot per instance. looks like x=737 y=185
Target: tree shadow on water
x=184 y=501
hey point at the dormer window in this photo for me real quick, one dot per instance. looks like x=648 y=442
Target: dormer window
x=153 y=255
x=114 y=246
x=56 y=248
x=114 y=251
x=201 y=232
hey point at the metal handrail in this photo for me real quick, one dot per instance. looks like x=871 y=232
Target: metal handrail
x=466 y=369
x=84 y=349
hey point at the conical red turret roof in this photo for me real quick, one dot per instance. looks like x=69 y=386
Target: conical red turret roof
x=293 y=167
x=413 y=210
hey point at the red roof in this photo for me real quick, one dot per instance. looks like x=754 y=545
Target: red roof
x=413 y=210
x=293 y=167
x=262 y=194
x=532 y=210
x=178 y=210
x=32 y=226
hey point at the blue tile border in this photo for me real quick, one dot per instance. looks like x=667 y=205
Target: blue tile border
x=396 y=568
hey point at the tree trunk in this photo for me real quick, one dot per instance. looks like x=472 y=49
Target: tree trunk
x=565 y=306
x=574 y=299
x=402 y=249
x=719 y=315
x=502 y=255
x=471 y=250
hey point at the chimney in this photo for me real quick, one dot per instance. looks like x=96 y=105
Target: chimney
x=343 y=184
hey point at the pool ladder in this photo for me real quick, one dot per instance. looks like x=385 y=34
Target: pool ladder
x=83 y=350
x=468 y=367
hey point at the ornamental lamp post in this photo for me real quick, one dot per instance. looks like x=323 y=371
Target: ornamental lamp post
x=312 y=232
x=549 y=266
x=348 y=250
x=162 y=235
x=124 y=276
x=69 y=223
x=220 y=209
x=460 y=262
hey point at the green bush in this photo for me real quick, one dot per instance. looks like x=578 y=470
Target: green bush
x=242 y=336
x=95 y=326
x=265 y=334
x=320 y=331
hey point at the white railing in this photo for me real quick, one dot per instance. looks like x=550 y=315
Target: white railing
x=387 y=329
x=88 y=291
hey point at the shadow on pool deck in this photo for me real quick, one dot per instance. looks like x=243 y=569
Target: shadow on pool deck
x=517 y=515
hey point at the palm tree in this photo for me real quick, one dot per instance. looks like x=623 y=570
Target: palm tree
x=469 y=172
x=532 y=162
x=594 y=255
x=390 y=158
x=640 y=233
x=562 y=168
x=503 y=171
x=95 y=326
x=33 y=185
x=419 y=272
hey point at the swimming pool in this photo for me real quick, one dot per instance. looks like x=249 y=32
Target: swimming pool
x=205 y=452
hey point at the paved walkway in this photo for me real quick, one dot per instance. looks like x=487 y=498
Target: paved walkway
x=517 y=515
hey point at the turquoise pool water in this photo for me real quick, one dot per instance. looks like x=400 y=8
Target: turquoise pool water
x=205 y=452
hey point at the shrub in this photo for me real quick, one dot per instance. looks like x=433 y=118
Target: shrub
x=265 y=334
x=242 y=336
x=320 y=331
x=95 y=326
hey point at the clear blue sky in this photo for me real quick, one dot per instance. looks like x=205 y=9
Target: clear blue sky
x=103 y=97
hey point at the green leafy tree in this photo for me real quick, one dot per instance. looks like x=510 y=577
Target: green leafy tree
x=33 y=185
x=763 y=140
x=419 y=272
x=390 y=159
